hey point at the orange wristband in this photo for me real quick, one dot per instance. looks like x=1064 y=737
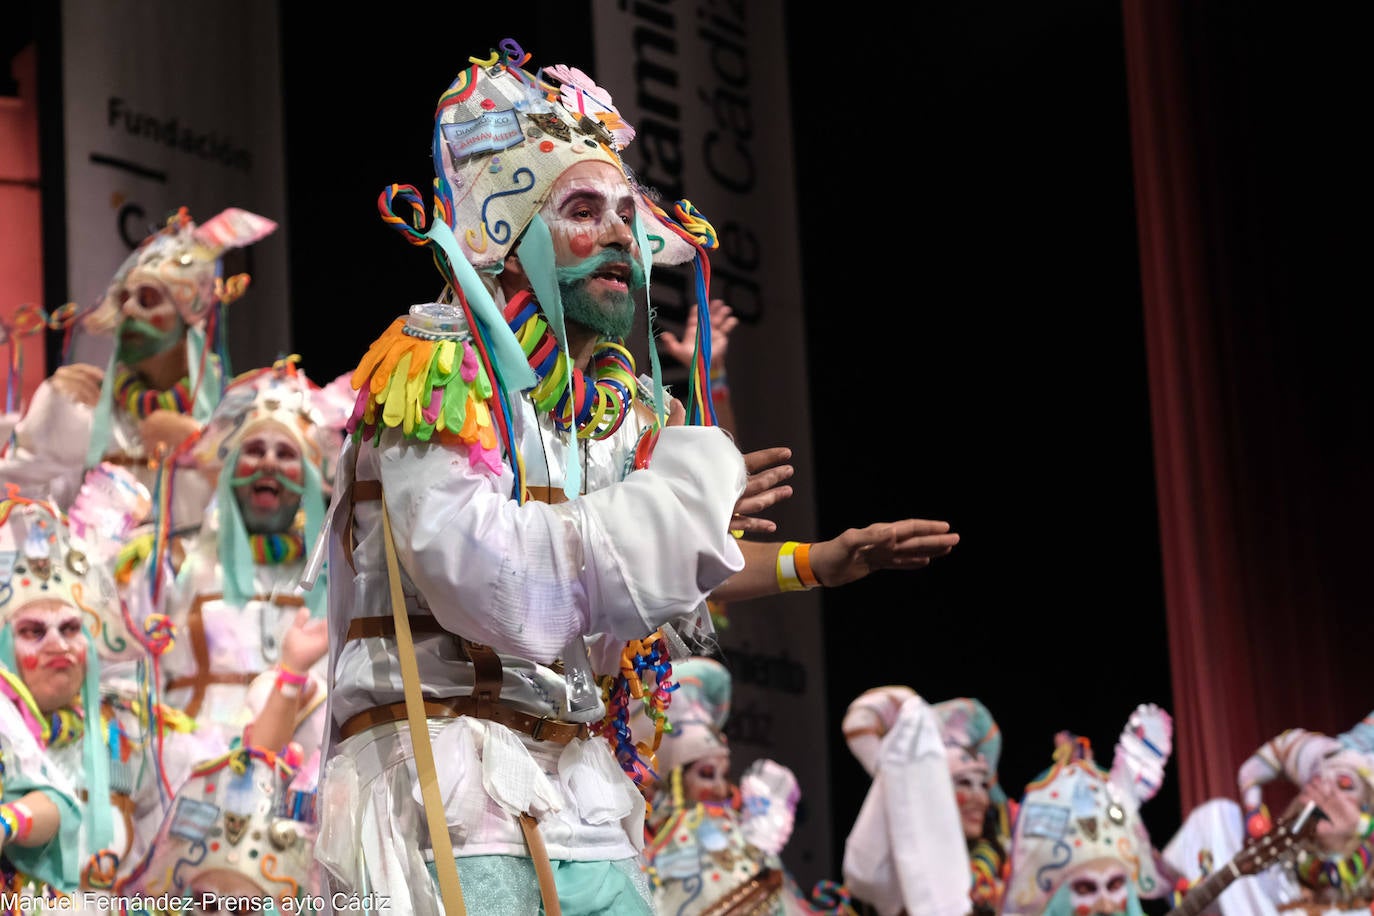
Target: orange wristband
x=802 y=558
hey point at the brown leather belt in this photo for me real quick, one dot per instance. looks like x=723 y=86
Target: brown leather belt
x=373 y=627
x=540 y=728
x=483 y=703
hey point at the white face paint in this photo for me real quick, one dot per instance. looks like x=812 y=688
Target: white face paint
x=590 y=207
x=707 y=779
x=50 y=650
x=267 y=457
x=1099 y=887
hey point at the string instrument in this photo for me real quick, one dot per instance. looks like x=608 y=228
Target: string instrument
x=1281 y=840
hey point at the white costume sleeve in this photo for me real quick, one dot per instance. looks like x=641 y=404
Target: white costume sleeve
x=51 y=440
x=527 y=579
x=906 y=851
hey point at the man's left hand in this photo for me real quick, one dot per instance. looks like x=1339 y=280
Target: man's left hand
x=908 y=544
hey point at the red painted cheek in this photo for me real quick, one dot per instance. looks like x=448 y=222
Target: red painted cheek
x=961 y=798
x=28 y=662
x=582 y=244
x=81 y=655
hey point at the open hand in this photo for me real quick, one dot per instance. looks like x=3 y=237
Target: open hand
x=305 y=643
x=723 y=321
x=764 y=488
x=908 y=544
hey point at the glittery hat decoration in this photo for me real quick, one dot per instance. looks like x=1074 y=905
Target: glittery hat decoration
x=242 y=814
x=279 y=397
x=1077 y=815
x=181 y=262
x=40 y=560
x=107 y=508
x=502 y=137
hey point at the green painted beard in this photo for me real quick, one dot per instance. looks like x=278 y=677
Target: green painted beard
x=139 y=340
x=610 y=314
x=275 y=521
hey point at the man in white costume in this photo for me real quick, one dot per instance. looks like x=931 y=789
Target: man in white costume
x=513 y=494
x=237 y=595
x=163 y=379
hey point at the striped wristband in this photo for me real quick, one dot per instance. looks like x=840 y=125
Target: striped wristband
x=794 y=568
x=16 y=820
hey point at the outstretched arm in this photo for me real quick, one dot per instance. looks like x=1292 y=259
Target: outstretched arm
x=908 y=544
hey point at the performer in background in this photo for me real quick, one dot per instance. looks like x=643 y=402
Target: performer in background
x=933 y=833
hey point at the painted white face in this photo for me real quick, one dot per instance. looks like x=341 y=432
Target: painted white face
x=50 y=651
x=271 y=465
x=707 y=779
x=1099 y=887
x=151 y=323
x=590 y=207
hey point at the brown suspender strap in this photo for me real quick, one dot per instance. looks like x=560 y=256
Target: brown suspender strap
x=445 y=865
x=203 y=677
x=543 y=868
x=486 y=704
x=361 y=491
x=486 y=669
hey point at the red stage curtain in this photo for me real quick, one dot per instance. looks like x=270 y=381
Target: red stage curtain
x=1259 y=391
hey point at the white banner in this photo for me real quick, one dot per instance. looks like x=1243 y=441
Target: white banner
x=706 y=90
x=169 y=104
